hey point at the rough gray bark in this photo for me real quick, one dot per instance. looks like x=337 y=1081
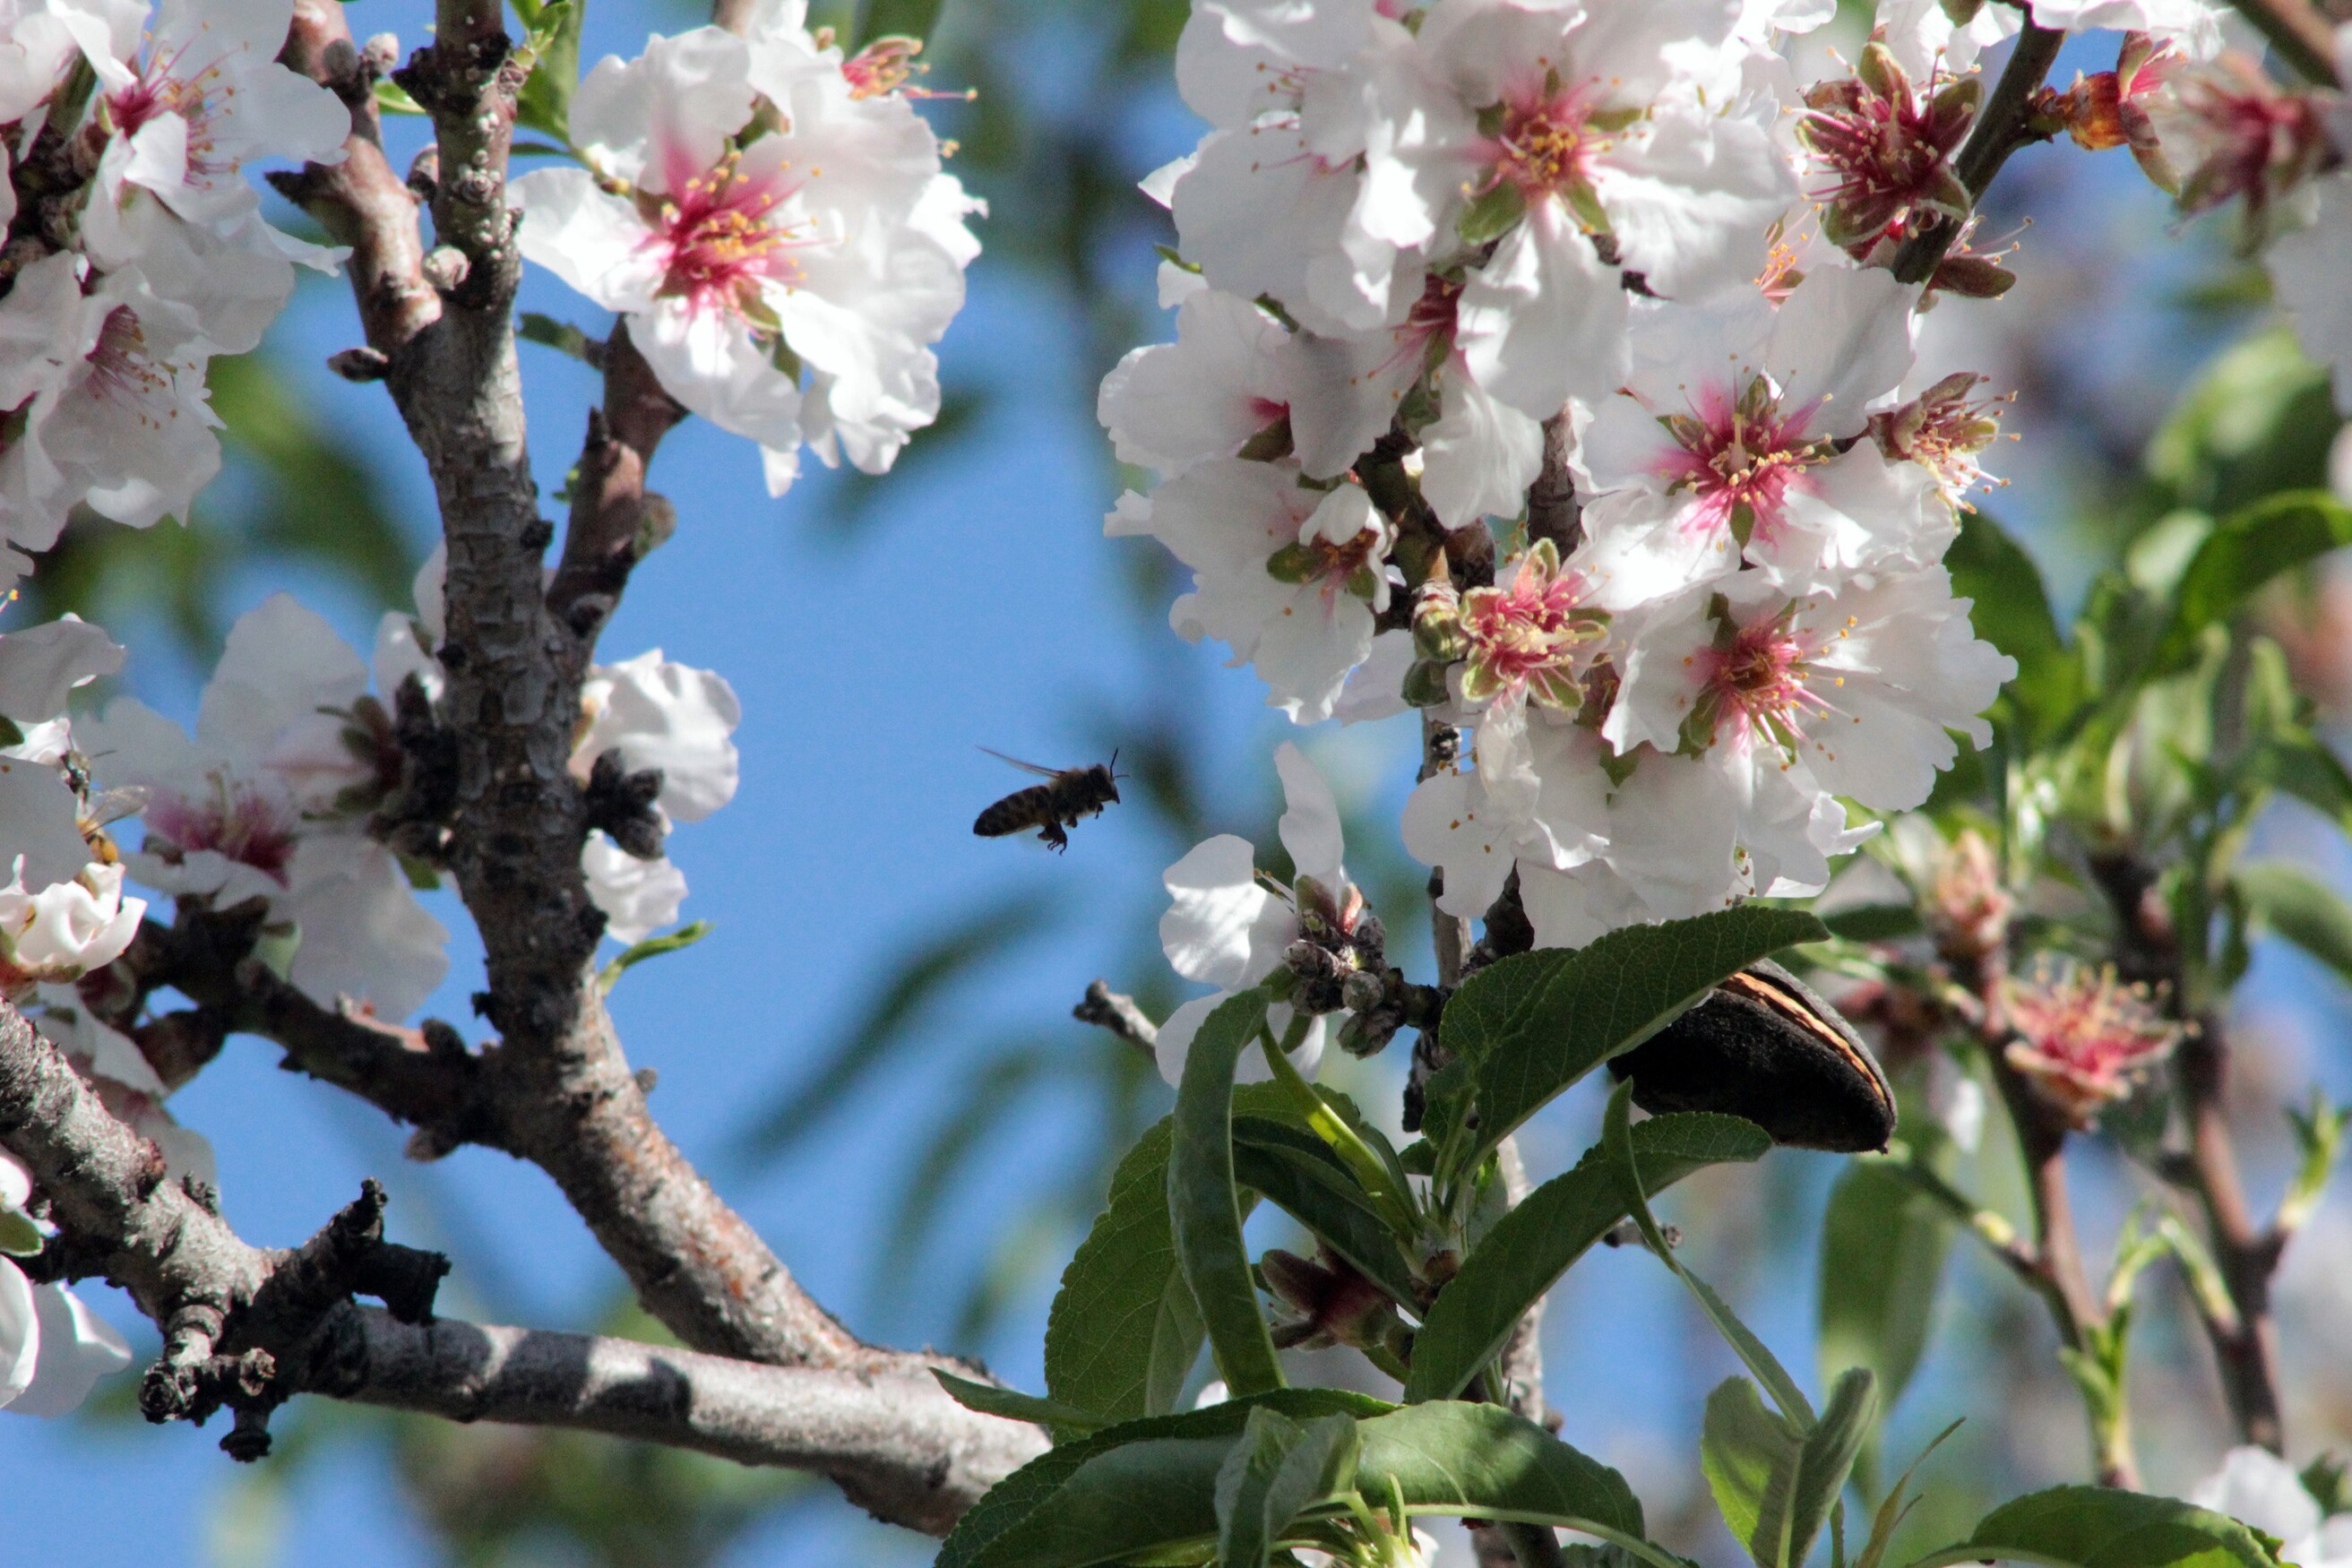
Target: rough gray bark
x=250 y=1327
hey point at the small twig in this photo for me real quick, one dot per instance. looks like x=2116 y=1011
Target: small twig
x=2299 y=33
x=1108 y=1009
x=2001 y=128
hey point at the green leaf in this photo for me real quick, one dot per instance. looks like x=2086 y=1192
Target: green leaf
x=391 y=97
x=989 y=1400
x=2297 y=906
x=1299 y=1174
x=1124 y=1332
x=896 y=19
x=1449 y=1457
x=1616 y=1137
x=1830 y=1450
x=10 y=735
x=1874 y=922
x=1774 y=1485
x=1530 y=1025
x=1205 y=1207
x=1006 y=1524
x=2096 y=1526
x=1883 y=1247
x=2010 y=609
x=1150 y=1489
x=2293 y=758
x=684 y=936
x=1750 y=1458
x=1279 y=1468
x=553 y=42
x=1536 y=1242
x=19 y=1236
x=2258 y=422
x=1895 y=1507
x=2246 y=551
x=561 y=336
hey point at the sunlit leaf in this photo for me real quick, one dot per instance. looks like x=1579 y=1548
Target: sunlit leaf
x=2099 y=1526
x=1530 y=1025
x=1531 y=1245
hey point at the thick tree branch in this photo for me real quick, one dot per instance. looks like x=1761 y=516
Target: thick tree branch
x=893 y=1441
x=251 y=1327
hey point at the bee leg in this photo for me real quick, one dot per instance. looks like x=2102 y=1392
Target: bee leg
x=1053 y=836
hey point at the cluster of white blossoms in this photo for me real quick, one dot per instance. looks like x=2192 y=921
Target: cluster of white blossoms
x=138 y=249
x=773 y=221
x=1419 y=242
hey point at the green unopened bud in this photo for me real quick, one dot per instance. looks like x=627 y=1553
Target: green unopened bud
x=1424 y=683
x=1437 y=624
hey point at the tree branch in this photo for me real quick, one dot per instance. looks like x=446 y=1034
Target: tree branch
x=2245 y=1340
x=1108 y=1009
x=2001 y=128
x=893 y=1441
x=250 y=1328
x=2299 y=33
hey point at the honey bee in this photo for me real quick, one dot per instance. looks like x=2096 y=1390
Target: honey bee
x=1073 y=793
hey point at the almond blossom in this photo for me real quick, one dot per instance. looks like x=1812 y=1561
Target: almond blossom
x=781 y=236
x=1590 y=148
x=190 y=101
x=1287 y=575
x=2084 y=1038
x=225 y=825
x=114 y=416
x=1229 y=927
x=1724 y=446
x=53 y=1348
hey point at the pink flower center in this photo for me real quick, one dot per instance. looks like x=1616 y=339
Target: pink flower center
x=1739 y=459
x=1761 y=680
x=158 y=92
x=121 y=370
x=1547 y=141
x=719 y=243
x=238 y=820
x=1529 y=631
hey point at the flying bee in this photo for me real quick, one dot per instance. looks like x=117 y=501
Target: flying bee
x=1050 y=807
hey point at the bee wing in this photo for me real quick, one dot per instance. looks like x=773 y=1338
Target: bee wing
x=114 y=805
x=1024 y=767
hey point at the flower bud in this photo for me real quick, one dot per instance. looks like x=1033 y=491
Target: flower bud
x=1361 y=992
x=1424 y=683
x=1437 y=622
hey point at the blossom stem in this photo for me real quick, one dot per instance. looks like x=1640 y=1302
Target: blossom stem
x=2245 y=1341
x=1553 y=512
x=2300 y=34
x=2001 y=128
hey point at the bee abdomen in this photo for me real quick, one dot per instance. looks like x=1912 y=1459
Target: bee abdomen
x=1022 y=808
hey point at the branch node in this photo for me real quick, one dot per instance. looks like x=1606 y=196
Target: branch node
x=622 y=804
x=360 y=364
x=446 y=267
